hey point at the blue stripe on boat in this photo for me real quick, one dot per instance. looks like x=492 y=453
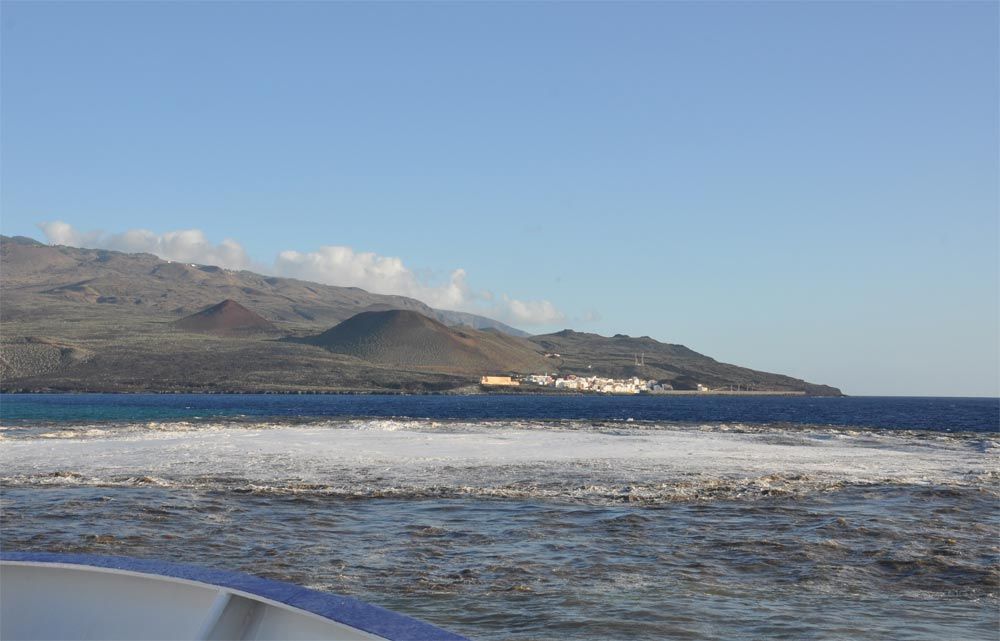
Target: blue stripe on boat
x=352 y=612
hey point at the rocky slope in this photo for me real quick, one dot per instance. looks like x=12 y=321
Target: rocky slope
x=226 y=318
x=619 y=357
x=37 y=278
x=409 y=339
x=93 y=320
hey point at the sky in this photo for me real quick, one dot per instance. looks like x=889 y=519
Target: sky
x=808 y=188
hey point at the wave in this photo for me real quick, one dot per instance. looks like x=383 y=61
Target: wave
x=770 y=486
x=625 y=427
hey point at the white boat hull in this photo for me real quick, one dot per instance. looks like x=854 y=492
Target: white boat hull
x=50 y=596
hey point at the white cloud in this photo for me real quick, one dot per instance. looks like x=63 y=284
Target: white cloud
x=185 y=245
x=332 y=265
x=339 y=265
x=531 y=312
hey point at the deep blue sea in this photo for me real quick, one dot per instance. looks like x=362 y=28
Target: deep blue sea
x=541 y=517
x=938 y=414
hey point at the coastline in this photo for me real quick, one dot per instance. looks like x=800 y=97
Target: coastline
x=364 y=392
x=389 y=392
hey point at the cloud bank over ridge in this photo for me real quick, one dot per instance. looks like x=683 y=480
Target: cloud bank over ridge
x=186 y=245
x=331 y=264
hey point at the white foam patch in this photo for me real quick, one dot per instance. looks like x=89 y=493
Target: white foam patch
x=388 y=458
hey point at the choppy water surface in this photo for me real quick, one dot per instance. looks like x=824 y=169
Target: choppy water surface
x=520 y=528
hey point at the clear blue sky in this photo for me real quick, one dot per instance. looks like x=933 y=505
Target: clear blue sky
x=802 y=187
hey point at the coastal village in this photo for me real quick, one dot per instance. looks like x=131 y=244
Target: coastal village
x=597 y=384
x=633 y=385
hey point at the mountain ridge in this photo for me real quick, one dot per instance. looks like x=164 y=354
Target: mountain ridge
x=95 y=275
x=108 y=321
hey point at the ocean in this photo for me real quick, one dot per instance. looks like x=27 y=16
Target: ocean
x=541 y=517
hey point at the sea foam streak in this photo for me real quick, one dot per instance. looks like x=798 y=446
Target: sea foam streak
x=544 y=529
x=577 y=461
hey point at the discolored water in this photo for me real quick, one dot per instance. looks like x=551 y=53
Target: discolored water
x=539 y=529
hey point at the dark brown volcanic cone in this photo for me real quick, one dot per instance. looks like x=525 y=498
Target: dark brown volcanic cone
x=228 y=317
x=410 y=339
